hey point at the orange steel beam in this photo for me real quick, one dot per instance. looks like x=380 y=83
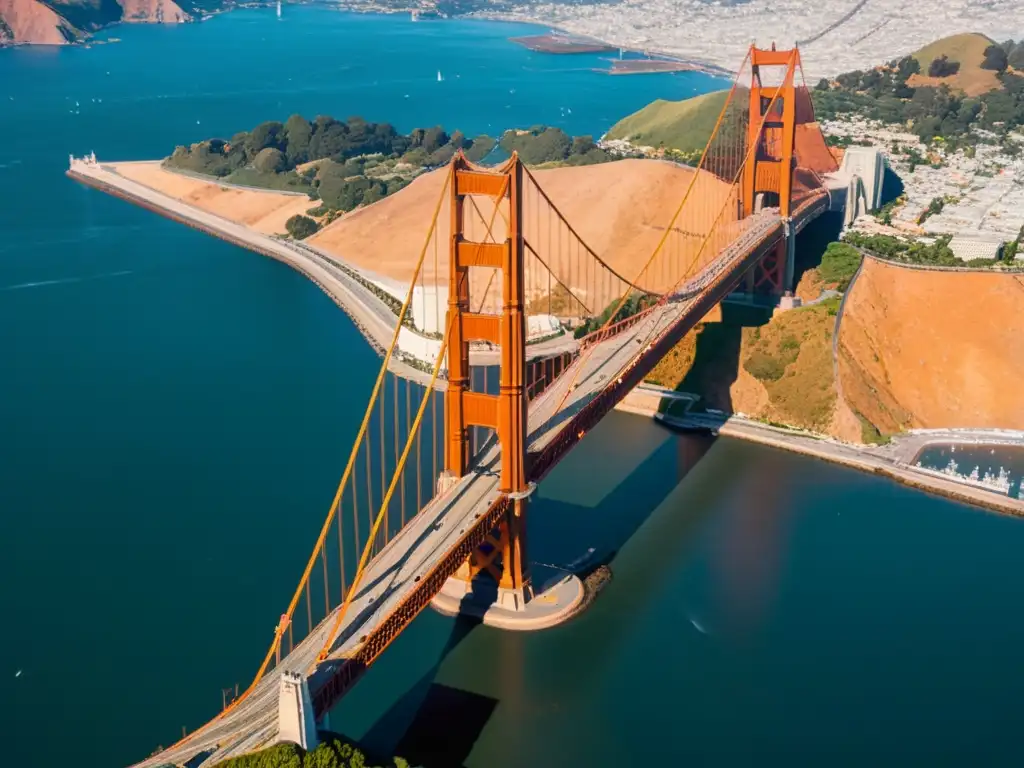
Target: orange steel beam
x=456 y=452
x=507 y=411
x=770 y=168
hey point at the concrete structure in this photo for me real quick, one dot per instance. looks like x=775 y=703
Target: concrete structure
x=295 y=717
x=868 y=165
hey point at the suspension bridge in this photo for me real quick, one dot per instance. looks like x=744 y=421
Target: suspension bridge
x=434 y=497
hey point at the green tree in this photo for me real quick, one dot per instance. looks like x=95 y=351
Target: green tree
x=284 y=755
x=270 y=160
x=479 y=148
x=298 y=133
x=581 y=145
x=434 y=138
x=300 y=227
x=269 y=134
x=329 y=139
x=839 y=263
x=995 y=58
x=1015 y=58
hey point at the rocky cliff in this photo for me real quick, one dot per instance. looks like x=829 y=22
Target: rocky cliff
x=30 y=21
x=58 y=22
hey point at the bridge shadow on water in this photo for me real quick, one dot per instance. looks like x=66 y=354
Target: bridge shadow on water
x=435 y=725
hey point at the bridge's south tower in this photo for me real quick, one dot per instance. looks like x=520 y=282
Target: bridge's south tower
x=503 y=556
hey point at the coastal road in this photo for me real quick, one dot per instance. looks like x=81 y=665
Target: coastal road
x=375 y=319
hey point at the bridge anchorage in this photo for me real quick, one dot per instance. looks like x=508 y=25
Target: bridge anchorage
x=495 y=583
x=432 y=505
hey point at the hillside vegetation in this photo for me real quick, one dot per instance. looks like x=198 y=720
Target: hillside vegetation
x=966 y=50
x=332 y=752
x=780 y=371
x=685 y=125
x=344 y=163
x=939 y=98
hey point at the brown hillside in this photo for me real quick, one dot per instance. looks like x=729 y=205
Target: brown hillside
x=620 y=210
x=30 y=21
x=969 y=50
x=780 y=372
x=929 y=349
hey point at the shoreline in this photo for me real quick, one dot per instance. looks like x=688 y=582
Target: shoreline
x=850 y=456
x=689 y=65
x=347 y=286
x=328 y=277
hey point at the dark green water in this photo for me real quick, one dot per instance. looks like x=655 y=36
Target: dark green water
x=174 y=413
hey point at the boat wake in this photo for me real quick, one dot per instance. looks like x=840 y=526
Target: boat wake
x=65 y=281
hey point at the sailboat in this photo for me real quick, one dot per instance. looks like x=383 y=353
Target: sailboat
x=439 y=78
x=279 y=9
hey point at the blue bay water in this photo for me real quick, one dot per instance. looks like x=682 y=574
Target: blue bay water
x=174 y=413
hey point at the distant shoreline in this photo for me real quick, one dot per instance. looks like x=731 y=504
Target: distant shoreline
x=598 y=46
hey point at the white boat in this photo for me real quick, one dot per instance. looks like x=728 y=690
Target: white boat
x=439 y=78
x=279 y=9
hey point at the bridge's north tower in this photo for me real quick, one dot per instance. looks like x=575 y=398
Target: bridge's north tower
x=767 y=178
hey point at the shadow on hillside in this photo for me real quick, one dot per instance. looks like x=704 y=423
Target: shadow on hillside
x=718 y=350
x=717 y=356
x=813 y=240
x=435 y=725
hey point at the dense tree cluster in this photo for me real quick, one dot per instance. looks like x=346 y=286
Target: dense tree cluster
x=331 y=753
x=541 y=144
x=270 y=154
x=934 y=254
x=884 y=94
x=839 y=264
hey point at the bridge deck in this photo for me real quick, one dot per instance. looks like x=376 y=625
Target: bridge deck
x=434 y=535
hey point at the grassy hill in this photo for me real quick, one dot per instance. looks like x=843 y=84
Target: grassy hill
x=684 y=125
x=969 y=50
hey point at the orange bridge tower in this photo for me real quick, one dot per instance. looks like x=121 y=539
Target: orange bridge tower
x=503 y=555
x=767 y=179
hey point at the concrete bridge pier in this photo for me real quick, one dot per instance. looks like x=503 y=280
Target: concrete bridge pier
x=789 y=271
x=295 y=715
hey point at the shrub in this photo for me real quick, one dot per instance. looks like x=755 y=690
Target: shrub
x=269 y=160
x=995 y=58
x=300 y=227
x=943 y=67
x=764 y=367
x=839 y=263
